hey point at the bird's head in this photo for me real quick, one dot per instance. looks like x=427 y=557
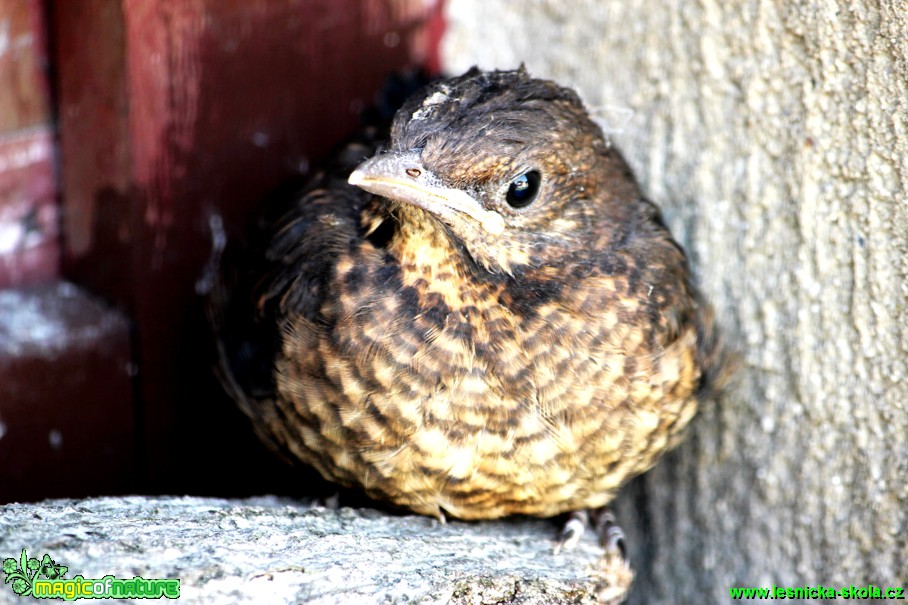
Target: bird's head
x=511 y=167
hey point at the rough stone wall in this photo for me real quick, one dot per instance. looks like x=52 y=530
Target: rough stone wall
x=775 y=137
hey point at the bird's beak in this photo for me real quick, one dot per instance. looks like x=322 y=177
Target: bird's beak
x=400 y=176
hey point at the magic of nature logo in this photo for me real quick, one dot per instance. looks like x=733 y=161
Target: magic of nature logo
x=45 y=579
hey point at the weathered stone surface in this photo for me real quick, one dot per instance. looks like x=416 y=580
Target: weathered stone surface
x=282 y=551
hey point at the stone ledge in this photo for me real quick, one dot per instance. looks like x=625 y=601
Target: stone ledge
x=282 y=551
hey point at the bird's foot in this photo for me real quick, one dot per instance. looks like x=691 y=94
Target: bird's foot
x=574 y=528
x=611 y=536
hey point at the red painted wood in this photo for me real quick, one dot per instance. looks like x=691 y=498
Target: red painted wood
x=29 y=249
x=177 y=115
x=66 y=425
x=93 y=116
x=23 y=87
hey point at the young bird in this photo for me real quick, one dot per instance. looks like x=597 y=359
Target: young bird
x=485 y=318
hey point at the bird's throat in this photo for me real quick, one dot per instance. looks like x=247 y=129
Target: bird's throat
x=422 y=241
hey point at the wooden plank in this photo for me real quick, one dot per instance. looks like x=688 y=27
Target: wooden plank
x=29 y=250
x=92 y=109
x=66 y=425
x=23 y=87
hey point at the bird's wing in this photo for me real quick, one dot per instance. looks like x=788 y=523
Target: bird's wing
x=278 y=281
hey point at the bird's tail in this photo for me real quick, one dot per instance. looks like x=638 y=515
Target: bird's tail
x=717 y=362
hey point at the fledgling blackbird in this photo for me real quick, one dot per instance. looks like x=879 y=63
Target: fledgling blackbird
x=485 y=318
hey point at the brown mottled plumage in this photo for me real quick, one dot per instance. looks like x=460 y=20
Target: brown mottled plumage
x=489 y=319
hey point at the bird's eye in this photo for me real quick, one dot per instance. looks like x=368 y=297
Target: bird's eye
x=523 y=189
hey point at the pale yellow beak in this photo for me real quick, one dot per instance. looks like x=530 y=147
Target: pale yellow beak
x=400 y=176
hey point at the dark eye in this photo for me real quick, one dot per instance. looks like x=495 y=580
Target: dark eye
x=523 y=189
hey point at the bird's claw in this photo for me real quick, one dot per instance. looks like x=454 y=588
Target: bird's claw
x=572 y=531
x=611 y=536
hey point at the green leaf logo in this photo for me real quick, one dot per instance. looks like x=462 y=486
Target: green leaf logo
x=19 y=575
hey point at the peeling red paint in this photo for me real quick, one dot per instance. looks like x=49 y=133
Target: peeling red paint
x=29 y=249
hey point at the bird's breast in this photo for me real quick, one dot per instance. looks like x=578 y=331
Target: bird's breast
x=429 y=389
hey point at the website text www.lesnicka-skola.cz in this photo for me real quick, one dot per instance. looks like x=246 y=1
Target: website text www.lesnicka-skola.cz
x=818 y=592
